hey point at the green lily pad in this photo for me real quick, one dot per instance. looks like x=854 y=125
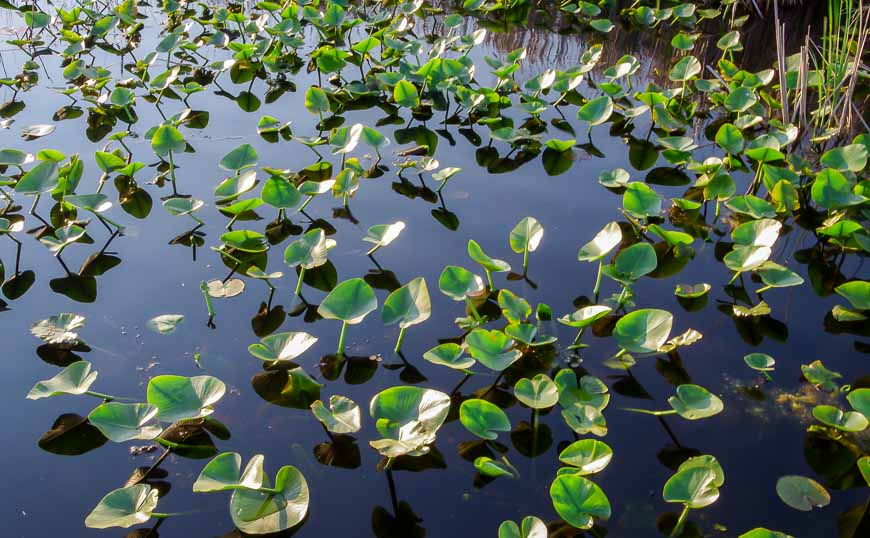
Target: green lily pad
x=285 y=346
x=514 y=308
x=383 y=234
x=694 y=402
x=260 y=512
x=408 y=305
x=245 y=241
x=494 y=468
x=586 y=456
x=538 y=392
x=847 y=421
x=491 y=264
x=696 y=483
x=75 y=379
x=407 y=419
x=450 y=355
x=760 y=361
x=802 y=493
x=579 y=501
x=692 y=291
x=492 y=349
x=343 y=415
x=309 y=251
x=643 y=331
x=526 y=235
x=178 y=397
x=224 y=472
x=123 y=422
x=585 y=316
x=458 y=283
x=602 y=244
x=483 y=419
x=530 y=527
x=123 y=507
x=350 y=302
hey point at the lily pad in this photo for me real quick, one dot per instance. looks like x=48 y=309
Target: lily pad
x=483 y=419
x=802 y=493
x=76 y=378
x=124 y=422
x=123 y=507
x=343 y=415
x=178 y=397
x=285 y=346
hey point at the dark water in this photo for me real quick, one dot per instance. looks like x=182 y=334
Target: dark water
x=756 y=440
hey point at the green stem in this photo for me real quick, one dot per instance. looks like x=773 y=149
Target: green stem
x=648 y=412
x=341 y=338
x=578 y=337
x=158 y=515
x=389 y=464
x=525 y=259
x=399 y=340
x=305 y=203
x=679 y=526
x=489 y=279
x=208 y=304
x=100 y=395
x=767 y=376
x=299 y=282
x=597 y=287
x=473 y=310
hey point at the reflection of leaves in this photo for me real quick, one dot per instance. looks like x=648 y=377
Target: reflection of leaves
x=342 y=452
x=79 y=288
x=433 y=459
x=17 y=285
x=286 y=387
x=71 y=435
x=405 y=524
x=266 y=321
x=192 y=438
x=531 y=443
x=61 y=354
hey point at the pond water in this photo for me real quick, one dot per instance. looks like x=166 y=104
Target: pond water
x=761 y=435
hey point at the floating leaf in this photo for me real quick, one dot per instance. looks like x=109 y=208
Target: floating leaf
x=802 y=493
x=178 y=397
x=643 y=331
x=123 y=507
x=76 y=378
x=165 y=323
x=285 y=346
x=59 y=329
x=579 y=501
x=383 y=234
x=586 y=456
x=123 y=422
x=483 y=419
x=407 y=419
x=492 y=349
x=538 y=392
x=224 y=472
x=350 y=302
x=343 y=415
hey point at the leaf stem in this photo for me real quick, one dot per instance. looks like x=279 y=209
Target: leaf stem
x=597 y=287
x=649 y=412
x=299 y=282
x=341 y=338
x=678 y=527
x=399 y=340
x=105 y=397
x=473 y=310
